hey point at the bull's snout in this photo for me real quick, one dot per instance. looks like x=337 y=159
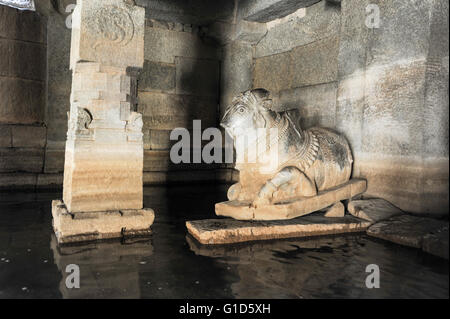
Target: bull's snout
x=225 y=123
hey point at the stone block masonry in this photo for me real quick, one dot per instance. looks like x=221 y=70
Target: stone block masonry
x=392 y=101
x=23 y=45
x=22 y=67
x=179 y=83
x=297 y=61
x=104 y=149
x=71 y=227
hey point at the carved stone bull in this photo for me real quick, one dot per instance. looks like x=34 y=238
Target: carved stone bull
x=308 y=161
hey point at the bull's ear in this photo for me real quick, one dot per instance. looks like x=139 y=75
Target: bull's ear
x=264 y=117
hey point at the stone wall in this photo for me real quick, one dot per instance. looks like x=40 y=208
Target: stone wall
x=385 y=88
x=59 y=87
x=297 y=62
x=23 y=44
x=392 y=100
x=178 y=84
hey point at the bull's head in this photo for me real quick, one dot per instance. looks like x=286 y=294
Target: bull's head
x=248 y=111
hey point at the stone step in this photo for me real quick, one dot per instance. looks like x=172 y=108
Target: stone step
x=373 y=210
x=430 y=235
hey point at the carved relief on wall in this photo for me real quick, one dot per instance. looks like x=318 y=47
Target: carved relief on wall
x=112 y=25
x=134 y=127
x=78 y=126
x=110 y=32
x=135 y=122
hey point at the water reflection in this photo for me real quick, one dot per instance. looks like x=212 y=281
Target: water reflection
x=107 y=269
x=328 y=267
x=169 y=265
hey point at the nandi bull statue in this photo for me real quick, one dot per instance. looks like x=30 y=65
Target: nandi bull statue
x=284 y=171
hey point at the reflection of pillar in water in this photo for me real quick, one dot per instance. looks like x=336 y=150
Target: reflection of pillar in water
x=107 y=269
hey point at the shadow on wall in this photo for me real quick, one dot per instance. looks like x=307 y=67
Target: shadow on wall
x=178 y=84
x=197 y=81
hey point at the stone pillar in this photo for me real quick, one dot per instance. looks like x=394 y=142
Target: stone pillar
x=104 y=149
x=236 y=73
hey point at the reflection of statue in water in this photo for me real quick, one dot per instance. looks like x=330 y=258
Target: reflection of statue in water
x=108 y=269
x=312 y=169
x=286 y=268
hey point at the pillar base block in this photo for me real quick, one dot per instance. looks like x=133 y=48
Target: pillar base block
x=92 y=226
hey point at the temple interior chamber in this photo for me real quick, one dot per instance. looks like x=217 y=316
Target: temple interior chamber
x=375 y=71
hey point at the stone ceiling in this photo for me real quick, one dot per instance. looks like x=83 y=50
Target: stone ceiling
x=204 y=12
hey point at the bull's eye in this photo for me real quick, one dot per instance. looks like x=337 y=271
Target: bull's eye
x=241 y=109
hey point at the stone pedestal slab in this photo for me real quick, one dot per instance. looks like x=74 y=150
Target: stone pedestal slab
x=292 y=209
x=227 y=231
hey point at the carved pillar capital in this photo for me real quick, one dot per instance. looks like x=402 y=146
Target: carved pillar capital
x=110 y=32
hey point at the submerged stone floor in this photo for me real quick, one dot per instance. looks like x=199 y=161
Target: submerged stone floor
x=172 y=264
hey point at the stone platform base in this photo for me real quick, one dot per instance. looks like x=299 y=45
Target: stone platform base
x=227 y=231
x=89 y=226
x=292 y=209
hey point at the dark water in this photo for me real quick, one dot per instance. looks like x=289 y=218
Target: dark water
x=170 y=264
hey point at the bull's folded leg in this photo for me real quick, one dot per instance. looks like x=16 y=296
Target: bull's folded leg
x=293 y=182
